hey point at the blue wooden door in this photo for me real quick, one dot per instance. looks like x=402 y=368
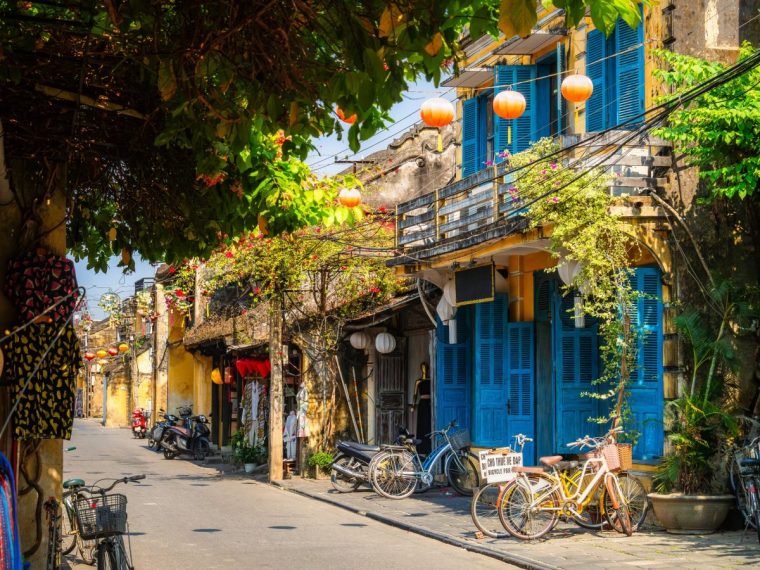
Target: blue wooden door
x=576 y=358
x=489 y=373
x=646 y=399
x=452 y=385
x=520 y=380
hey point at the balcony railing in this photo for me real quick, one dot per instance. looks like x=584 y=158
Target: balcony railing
x=480 y=207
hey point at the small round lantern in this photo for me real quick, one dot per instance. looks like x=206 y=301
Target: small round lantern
x=509 y=104
x=123 y=347
x=385 y=343
x=437 y=112
x=101 y=353
x=113 y=351
x=88 y=356
x=342 y=116
x=359 y=340
x=350 y=197
x=216 y=376
x=577 y=88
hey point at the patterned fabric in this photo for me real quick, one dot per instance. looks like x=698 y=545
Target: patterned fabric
x=35 y=282
x=46 y=408
x=10 y=542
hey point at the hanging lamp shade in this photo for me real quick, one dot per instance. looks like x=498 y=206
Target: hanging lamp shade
x=350 y=197
x=437 y=112
x=342 y=116
x=101 y=353
x=444 y=310
x=216 y=376
x=567 y=270
x=385 y=343
x=509 y=104
x=577 y=88
x=123 y=347
x=450 y=293
x=89 y=356
x=359 y=340
x=113 y=351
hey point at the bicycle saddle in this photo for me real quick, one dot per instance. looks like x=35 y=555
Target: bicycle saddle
x=550 y=460
x=73 y=483
x=566 y=465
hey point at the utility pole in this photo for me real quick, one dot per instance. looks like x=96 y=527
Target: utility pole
x=154 y=376
x=275 y=390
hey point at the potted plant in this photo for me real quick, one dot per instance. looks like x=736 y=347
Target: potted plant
x=248 y=455
x=319 y=464
x=688 y=498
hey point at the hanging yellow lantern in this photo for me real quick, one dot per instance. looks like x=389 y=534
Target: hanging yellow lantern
x=123 y=347
x=509 y=104
x=101 y=353
x=577 y=88
x=437 y=112
x=216 y=376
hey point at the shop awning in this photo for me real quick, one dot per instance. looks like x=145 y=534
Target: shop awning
x=534 y=43
x=472 y=77
x=382 y=313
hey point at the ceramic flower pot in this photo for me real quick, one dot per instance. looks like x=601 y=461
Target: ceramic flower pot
x=691 y=514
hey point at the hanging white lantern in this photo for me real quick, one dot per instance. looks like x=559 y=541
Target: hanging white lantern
x=385 y=343
x=568 y=269
x=359 y=340
x=450 y=293
x=444 y=310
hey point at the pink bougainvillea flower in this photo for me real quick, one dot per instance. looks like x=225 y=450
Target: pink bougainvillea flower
x=229 y=254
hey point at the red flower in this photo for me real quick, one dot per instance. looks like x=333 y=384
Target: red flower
x=229 y=254
x=179 y=293
x=256 y=290
x=172 y=269
x=382 y=210
x=375 y=290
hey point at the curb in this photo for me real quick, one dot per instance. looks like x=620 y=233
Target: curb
x=514 y=559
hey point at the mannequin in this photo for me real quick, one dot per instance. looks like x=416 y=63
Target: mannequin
x=421 y=402
x=289 y=435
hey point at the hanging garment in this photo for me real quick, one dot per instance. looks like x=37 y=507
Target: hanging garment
x=10 y=542
x=303 y=408
x=289 y=435
x=262 y=415
x=253 y=429
x=46 y=408
x=35 y=282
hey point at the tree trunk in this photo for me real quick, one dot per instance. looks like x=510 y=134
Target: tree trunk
x=275 y=393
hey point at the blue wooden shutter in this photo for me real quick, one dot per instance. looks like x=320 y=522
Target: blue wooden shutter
x=490 y=372
x=596 y=70
x=629 y=72
x=646 y=400
x=521 y=417
x=522 y=78
x=470 y=136
x=452 y=382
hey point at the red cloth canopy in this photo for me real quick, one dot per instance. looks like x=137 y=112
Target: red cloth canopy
x=258 y=366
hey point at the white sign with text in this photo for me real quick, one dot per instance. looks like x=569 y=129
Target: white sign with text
x=499 y=467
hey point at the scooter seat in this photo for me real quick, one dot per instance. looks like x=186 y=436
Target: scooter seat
x=360 y=446
x=69 y=483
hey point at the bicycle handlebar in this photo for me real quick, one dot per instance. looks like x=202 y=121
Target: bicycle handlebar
x=102 y=490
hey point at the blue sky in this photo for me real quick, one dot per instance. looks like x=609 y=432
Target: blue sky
x=322 y=160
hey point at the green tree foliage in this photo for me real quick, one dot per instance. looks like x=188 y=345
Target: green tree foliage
x=180 y=123
x=720 y=131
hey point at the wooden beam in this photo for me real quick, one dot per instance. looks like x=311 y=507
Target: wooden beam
x=65 y=95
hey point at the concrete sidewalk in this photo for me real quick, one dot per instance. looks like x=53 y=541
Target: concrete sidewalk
x=444 y=515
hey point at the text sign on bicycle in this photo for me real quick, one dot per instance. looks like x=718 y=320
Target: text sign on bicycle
x=499 y=467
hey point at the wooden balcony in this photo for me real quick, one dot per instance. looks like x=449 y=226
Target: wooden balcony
x=479 y=208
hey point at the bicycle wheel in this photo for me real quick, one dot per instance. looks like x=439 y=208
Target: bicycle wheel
x=592 y=515
x=69 y=530
x=343 y=483
x=530 y=507
x=111 y=555
x=617 y=513
x=462 y=472
x=740 y=490
x=484 y=510
x=392 y=474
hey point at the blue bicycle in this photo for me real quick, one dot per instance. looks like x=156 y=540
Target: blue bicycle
x=397 y=471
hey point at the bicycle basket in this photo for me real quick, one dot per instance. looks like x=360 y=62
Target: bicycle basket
x=625 y=455
x=100 y=516
x=460 y=439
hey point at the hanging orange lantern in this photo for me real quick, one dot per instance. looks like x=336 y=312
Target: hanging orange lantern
x=350 y=197
x=577 y=88
x=101 y=353
x=216 y=376
x=88 y=356
x=123 y=347
x=113 y=351
x=437 y=112
x=509 y=104
x=342 y=116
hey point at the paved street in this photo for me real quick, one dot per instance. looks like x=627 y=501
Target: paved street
x=188 y=517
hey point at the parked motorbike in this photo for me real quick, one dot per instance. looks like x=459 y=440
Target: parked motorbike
x=192 y=439
x=157 y=431
x=349 y=469
x=139 y=423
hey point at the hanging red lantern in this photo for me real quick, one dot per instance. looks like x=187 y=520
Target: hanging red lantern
x=577 y=88
x=437 y=112
x=342 y=116
x=113 y=351
x=509 y=104
x=88 y=356
x=350 y=197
